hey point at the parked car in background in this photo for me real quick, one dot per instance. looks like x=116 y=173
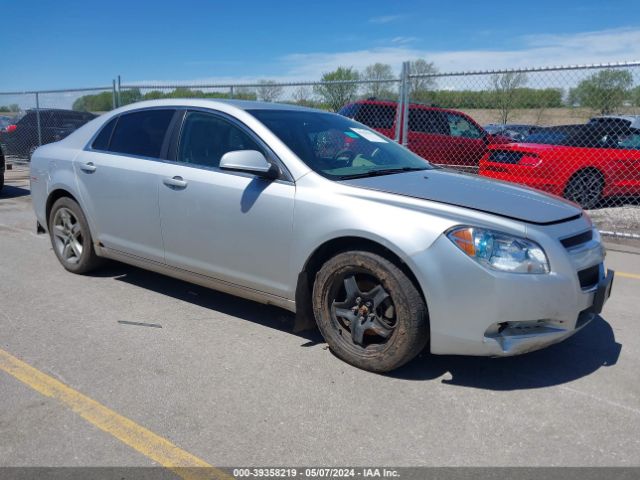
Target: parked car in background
x=20 y=139
x=384 y=252
x=515 y=131
x=622 y=121
x=5 y=121
x=583 y=163
x=439 y=135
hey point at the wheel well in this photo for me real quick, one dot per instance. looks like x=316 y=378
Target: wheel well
x=595 y=170
x=53 y=196
x=304 y=315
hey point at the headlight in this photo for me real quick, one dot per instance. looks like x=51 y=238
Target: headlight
x=500 y=251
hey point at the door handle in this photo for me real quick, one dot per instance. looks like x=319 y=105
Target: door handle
x=88 y=167
x=175 y=182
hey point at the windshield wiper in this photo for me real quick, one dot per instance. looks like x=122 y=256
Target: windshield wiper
x=383 y=171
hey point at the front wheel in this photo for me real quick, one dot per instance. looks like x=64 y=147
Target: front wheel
x=70 y=237
x=369 y=311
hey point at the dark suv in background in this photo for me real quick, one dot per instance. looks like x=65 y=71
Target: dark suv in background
x=439 y=135
x=21 y=139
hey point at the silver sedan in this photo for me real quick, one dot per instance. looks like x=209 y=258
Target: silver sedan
x=318 y=214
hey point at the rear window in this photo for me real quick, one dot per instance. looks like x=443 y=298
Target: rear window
x=141 y=133
x=371 y=115
x=376 y=116
x=621 y=122
x=553 y=137
x=428 y=121
x=349 y=110
x=101 y=142
x=28 y=118
x=71 y=120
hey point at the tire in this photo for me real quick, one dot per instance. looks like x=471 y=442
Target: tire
x=364 y=290
x=585 y=189
x=71 y=238
x=1 y=181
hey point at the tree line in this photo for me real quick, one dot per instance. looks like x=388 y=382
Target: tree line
x=604 y=91
x=13 y=108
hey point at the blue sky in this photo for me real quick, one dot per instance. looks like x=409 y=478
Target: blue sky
x=69 y=43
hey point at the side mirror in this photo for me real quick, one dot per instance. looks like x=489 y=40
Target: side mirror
x=250 y=161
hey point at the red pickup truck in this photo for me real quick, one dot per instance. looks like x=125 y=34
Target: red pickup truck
x=439 y=135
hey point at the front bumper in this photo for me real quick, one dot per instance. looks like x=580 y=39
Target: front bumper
x=477 y=311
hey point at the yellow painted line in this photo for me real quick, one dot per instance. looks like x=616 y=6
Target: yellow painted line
x=628 y=275
x=158 y=449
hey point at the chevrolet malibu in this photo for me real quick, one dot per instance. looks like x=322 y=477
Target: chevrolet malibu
x=320 y=215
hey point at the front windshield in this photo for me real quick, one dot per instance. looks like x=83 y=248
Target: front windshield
x=337 y=147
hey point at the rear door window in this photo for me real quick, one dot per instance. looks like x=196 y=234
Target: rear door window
x=376 y=116
x=141 y=133
x=427 y=121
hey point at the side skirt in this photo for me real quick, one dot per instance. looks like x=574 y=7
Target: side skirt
x=198 y=279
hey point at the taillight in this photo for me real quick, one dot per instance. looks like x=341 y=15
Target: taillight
x=11 y=128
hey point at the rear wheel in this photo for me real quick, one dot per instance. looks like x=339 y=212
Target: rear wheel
x=71 y=238
x=585 y=188
x=369 y=311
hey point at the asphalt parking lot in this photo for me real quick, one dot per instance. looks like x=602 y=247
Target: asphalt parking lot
x=227 y=381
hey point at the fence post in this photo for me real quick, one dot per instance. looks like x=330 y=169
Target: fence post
x=400 y=107
x=119 y=97
x=405 y=102
x=38 y=119
x=113 y=94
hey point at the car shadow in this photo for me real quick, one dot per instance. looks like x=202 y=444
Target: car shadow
x=578 y=356
x=266 y=315
x=9 y=191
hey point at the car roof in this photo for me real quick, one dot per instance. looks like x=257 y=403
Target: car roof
x=59 y=110
x=634 y=120
x=392 y=103
x=582 y=128
x=245 y=105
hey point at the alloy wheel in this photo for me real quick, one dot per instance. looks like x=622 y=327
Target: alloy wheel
x=67 y=235
x=585 y=190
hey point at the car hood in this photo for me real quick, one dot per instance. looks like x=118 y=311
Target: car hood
x=476 y=193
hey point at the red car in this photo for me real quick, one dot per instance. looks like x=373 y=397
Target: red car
x=439 y=135
x=583 y=163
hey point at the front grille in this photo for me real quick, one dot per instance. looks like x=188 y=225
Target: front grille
x=505 y=156
x=579 y=239
x=589 y=276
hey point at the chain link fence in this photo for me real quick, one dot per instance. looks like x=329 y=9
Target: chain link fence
x=572 y=131
x=31 y=119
